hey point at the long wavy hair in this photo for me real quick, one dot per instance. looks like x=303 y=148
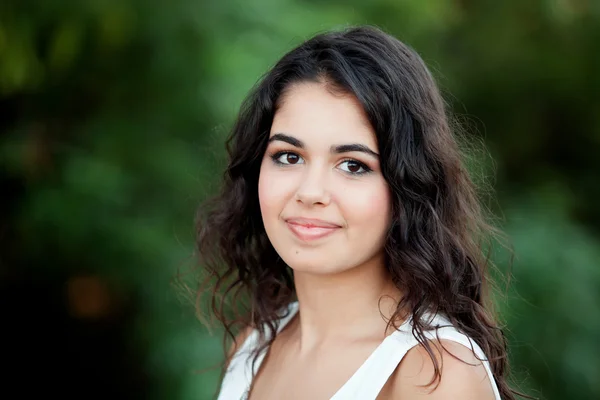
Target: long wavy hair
x=434 y=250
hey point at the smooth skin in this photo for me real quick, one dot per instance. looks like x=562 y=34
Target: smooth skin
x=322 y=165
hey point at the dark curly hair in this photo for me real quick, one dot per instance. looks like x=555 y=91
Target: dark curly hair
x=434 y=249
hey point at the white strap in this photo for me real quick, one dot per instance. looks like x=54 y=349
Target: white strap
x=368 y=381
x=238 y=378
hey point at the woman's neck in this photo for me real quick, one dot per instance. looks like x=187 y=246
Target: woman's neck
x=355 y=303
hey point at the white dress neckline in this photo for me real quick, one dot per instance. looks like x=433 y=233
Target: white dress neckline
x=368 y=380
x=292 y=311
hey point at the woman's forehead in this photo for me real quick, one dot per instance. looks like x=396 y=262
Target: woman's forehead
x=313 y=114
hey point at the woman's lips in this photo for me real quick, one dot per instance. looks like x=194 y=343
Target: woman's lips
x=308 y=230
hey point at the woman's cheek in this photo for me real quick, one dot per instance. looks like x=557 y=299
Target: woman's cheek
x=273 y=189
x=367 y=203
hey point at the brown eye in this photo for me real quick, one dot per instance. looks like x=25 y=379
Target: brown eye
x=292 y=158
x=287 y=158
x=354 y=167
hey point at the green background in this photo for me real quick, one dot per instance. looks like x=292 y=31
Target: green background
x=113 y=116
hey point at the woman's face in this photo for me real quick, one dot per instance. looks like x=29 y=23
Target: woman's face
x=324 y=202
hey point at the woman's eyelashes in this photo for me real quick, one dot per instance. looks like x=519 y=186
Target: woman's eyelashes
x=348 y=165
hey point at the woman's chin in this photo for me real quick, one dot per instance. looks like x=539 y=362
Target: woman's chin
x=317 y=266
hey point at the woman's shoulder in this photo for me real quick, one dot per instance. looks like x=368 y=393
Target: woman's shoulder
x=241 y=339
x=463 y=374
x=462 y=366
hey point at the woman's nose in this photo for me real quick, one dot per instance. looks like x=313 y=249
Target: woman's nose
x=313 y=189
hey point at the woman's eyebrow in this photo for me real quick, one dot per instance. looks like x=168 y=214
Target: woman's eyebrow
x=342 y=148
x=348 y=148
x=288 y=139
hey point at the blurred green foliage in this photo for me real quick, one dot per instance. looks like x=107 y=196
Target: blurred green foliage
x=112 y=121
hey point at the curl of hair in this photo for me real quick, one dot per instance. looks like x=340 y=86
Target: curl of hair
x=434 y=247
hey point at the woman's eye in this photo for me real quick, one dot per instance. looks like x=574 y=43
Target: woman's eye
x=354 y=167
x=287 y=158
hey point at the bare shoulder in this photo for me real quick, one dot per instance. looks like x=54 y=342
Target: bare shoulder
x=463 y=375
x=238 y=342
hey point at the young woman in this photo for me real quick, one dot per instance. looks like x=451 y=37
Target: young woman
x=349 y=232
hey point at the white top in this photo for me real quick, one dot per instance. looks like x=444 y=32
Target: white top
x=371 y=376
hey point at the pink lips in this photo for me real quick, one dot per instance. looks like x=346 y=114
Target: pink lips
x=311 y=229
